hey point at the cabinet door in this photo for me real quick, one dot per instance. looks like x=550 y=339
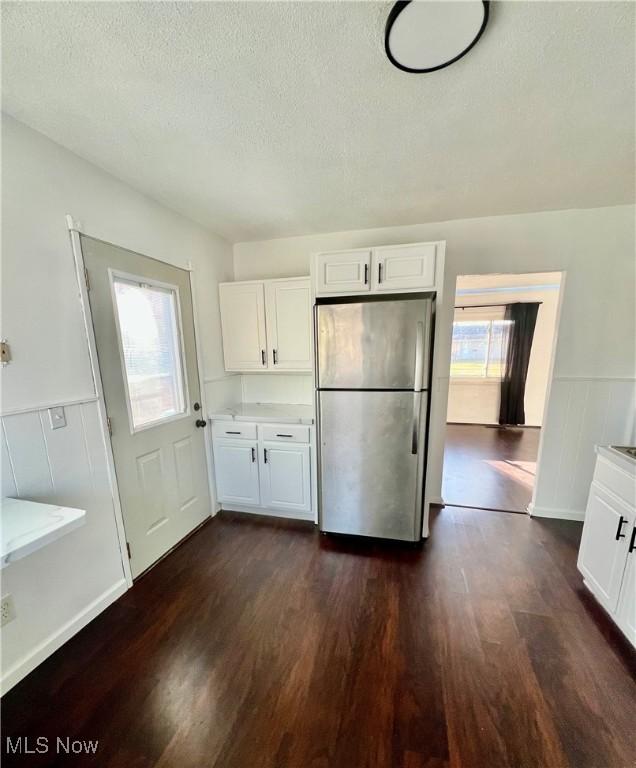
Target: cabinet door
x=343 y=272
x=626 y=615
x=288 y=304
x=243 y=326
x=401 y=267
x=236 y=471
x=602 y=556
x=285 y=476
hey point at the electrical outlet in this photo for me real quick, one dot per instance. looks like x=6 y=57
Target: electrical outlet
x=7 y=610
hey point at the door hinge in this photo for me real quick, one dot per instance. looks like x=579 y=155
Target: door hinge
x=109 y=424
x=128 y=550
x=87 y=279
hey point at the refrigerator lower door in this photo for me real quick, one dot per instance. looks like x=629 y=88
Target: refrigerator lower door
x=370 y=479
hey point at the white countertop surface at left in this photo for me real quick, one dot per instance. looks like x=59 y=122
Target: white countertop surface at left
x=265 y=412
x=28 y=526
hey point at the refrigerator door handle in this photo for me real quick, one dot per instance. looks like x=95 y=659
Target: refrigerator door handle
x=417 y=407
x=418 y=383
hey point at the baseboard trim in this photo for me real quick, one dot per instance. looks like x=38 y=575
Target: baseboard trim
x=557 y=514
x=267 y=512
x=56 y=640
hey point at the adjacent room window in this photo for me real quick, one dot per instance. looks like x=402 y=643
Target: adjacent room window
x=479 y=343
x=150 y=339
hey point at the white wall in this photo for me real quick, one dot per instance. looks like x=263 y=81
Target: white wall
x=594 y=359
x=477 y=401
x=59 y=587
x=295 y=388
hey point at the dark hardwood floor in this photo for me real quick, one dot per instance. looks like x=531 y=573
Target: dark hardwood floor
x=260 y=643
x=489 y=467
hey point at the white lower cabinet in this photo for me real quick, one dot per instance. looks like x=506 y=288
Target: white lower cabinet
x=626 y=613
x=272 y=473
x=608 y=524
x=236 y=470
x=285 y=476
x=608 y=544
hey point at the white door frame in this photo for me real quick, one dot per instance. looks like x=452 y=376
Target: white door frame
x=451 y=292
x=75 y=230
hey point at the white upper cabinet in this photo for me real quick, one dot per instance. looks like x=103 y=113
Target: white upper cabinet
x=403 y=267
x=288 y=313
x=385 y=269
x=266 y=325
x=243 y=326
x=343 y=272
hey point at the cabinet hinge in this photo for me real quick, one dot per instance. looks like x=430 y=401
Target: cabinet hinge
x=109 y=424
x=128 y=550
x=87 y=280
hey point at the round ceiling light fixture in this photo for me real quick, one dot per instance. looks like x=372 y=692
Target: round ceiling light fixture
x=426 y=35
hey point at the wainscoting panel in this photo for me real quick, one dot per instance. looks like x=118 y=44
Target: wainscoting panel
x=28 y=455
x=62 y=586
x=583 y=413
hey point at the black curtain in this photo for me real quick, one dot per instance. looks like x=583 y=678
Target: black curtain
x=523 y=317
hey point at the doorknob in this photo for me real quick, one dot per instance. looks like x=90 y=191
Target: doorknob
x=200 y=422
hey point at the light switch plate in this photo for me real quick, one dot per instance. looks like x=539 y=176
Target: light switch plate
x=57 y=417
x=7 y=610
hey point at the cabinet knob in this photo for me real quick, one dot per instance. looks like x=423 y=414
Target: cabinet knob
x=200 y=423
x=621 y=522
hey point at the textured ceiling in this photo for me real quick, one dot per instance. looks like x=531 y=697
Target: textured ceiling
x=263 y=119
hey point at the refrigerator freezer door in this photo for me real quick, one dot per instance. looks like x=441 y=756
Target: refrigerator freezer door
x=372 y=344
x=370 y=480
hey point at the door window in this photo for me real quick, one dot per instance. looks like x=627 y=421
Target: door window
x=149 y=328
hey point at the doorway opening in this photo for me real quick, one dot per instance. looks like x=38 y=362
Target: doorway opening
x=504 y=337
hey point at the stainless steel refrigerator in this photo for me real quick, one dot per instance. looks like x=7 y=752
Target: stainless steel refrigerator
x=372 y=379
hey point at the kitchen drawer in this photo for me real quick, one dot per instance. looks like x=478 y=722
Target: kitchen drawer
x=288 y=433
x=234 y=429
x=616 y=480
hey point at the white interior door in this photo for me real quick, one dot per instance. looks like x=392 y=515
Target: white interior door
x=144 y=331
x=285 y=476
x=603 y=551
x=243 y=324
x=288 y=304
x=236 y=471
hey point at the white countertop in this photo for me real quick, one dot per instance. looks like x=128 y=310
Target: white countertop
x=28 y=526
x=266 y=412
x=622 y=459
